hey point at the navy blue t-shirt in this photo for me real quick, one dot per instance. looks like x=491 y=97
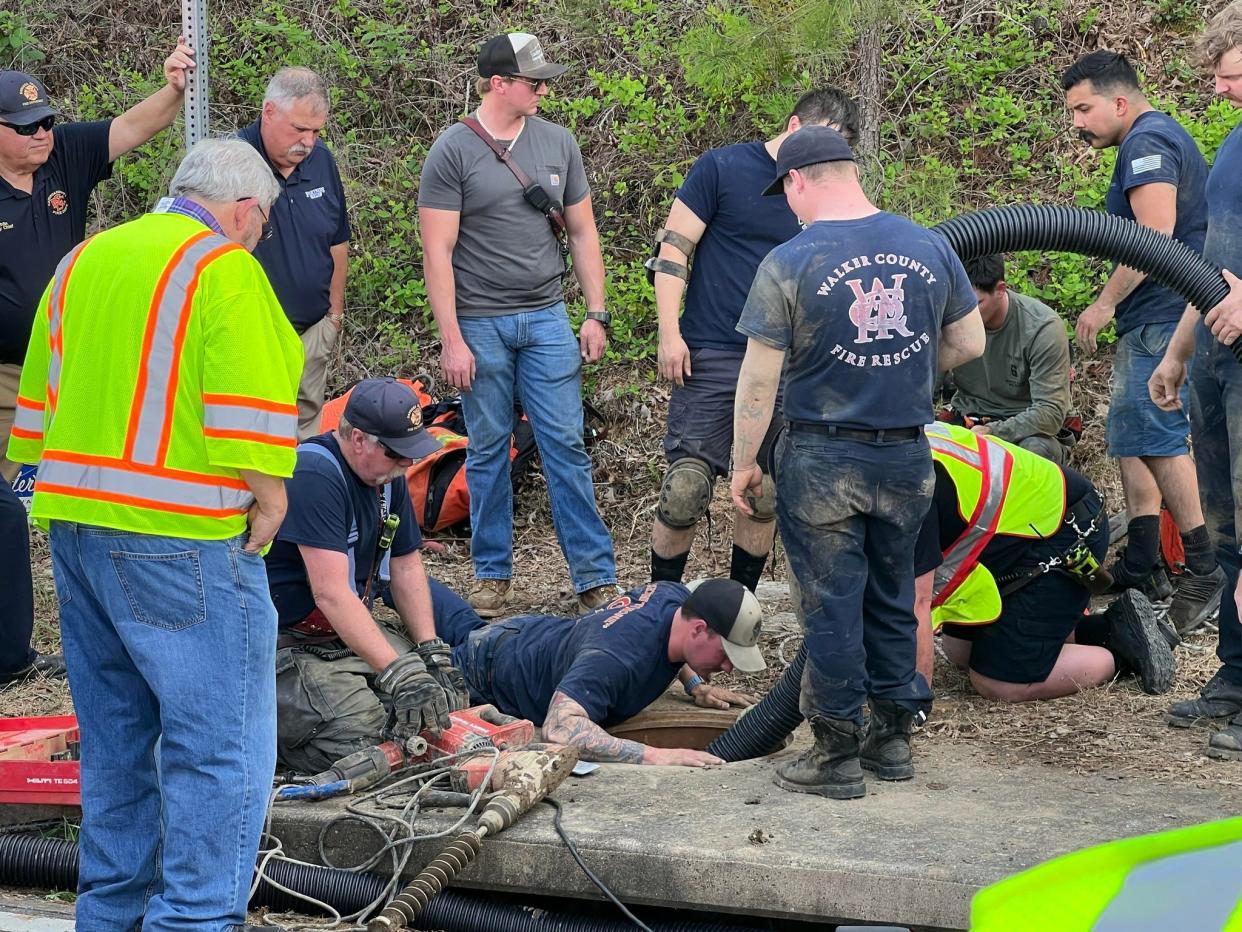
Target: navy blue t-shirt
x=1223 y=246
x=613 y=662
x=38 y=229
x=308 y=219
x=859 y=305
x=321 y=510
x=724 y=189
x=1158 y=149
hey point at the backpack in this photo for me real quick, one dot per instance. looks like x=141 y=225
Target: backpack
x=437 y=483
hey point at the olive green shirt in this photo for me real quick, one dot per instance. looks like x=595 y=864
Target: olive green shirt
x=1022 y=378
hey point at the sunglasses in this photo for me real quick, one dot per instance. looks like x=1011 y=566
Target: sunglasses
x=390 y=452
x=31 y=128
x=530 y=82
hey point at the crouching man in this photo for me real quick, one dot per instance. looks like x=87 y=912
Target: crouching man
x=1008 y=585
x=576 y=677
x=345 y=681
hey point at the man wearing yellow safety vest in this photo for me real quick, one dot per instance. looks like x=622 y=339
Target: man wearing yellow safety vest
x=158 y=397
x=1004 y=563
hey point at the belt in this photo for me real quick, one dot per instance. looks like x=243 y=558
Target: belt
x=884 y=435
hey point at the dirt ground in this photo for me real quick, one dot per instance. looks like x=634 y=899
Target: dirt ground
x=1115 y=729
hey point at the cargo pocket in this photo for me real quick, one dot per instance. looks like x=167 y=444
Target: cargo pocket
x=302 y=710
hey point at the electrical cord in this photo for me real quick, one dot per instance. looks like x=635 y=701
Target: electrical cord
x=573 y=849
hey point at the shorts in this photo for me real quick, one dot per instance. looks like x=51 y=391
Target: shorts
x=700 y=412
x=1022 y=646
x=1136 y=427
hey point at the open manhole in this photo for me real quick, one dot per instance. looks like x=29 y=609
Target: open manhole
x=676 y=728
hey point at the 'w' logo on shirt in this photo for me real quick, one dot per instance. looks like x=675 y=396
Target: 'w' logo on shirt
x=879 y=311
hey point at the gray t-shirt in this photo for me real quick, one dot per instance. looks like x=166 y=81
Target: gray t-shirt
x=1022 y=378
x=506 y=259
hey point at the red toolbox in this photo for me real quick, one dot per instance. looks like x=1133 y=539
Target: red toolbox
x=39 y=761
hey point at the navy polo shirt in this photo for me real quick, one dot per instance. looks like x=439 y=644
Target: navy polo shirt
x=308 y=218
x=39 y=228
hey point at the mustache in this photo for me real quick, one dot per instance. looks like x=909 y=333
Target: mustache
x=298 y=149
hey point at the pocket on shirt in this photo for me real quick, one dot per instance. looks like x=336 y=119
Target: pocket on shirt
x=552 y=178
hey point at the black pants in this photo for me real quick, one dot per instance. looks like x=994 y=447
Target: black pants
x=17 y=618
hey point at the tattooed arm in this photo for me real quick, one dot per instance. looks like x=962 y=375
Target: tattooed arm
x=567 y=723
x=752 y=413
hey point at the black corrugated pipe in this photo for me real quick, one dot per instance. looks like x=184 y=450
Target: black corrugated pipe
x=31 y=861
x=765 y=725
x=1090 y=233
x=984 y=233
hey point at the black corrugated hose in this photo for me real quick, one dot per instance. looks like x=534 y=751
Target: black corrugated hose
x=33 y=861
x=1170 y=262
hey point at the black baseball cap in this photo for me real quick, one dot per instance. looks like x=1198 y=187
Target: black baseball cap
x=516 y=53
x=23 y=99
x=733 y=612
x=391 y=410
x=808 y=146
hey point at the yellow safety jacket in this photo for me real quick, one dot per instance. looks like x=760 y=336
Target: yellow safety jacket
x=160 y=364
x=1187 y=879
x=1001 y=489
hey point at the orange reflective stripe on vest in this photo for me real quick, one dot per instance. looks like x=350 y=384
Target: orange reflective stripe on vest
x=238 y=417
x=55 y=316
x=28 y=419
x=995 y=464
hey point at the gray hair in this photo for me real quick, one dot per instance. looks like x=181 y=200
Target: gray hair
x=289 y=85
x=344 y=428
x=224 y=170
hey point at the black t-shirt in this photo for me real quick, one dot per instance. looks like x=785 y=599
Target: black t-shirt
x=38 y=229
x=322 y=507
x=308 y=219
x=944 y=524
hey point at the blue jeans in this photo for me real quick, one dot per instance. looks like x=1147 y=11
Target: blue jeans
x=849 y=513
x=171 y=647
x=1216 y=424
x=534 y=356
x=1136 y=427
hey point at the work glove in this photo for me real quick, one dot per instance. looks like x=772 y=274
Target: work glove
x=418 y=701
x=439 y=660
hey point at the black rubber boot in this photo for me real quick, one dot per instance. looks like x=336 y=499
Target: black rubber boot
x=831 y=767
x=1196 y=600
x=1138 y=645
x=1227 y=743
x=886 y=748
x=1218 y=701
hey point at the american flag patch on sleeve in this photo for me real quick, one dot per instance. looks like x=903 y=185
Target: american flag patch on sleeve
x=1148 y=163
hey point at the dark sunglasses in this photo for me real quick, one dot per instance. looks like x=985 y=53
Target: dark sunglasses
x=390 y=452
x=31 y=128
x=533 y=84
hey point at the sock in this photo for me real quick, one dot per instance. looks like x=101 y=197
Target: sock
x=746 y=568
x=668 y=568
x=1142 y=545
x=1200 y=559
x=1092 y=631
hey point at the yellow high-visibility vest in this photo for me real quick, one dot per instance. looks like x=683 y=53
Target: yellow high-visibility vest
x=1189 y=880
x=985 y=470
x=160 y=365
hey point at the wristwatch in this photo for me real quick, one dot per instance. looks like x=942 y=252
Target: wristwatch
x=692 y=684
x=603 y=317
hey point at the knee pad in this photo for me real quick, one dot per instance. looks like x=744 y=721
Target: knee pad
x=686 y=493
x=764 y=508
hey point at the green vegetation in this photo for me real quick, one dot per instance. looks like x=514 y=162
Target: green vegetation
x=968 y=110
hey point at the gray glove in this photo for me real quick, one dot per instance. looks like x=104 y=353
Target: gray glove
x=439 y=660
x=418 y=701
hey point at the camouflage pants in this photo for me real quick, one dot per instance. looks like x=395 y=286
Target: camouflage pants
x=327 y=706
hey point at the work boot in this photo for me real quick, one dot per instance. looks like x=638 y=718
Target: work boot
x=1219 y=701
x=831 y=768
x=490 y=596
x=591 y=599
x=1137 y=643
x=1196 y=599
x=49 y=666
x=886 y=748
x=1227 y=743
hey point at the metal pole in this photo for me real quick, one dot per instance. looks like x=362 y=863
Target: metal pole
x=194 y=28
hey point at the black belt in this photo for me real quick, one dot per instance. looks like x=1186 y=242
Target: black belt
x=856 y=433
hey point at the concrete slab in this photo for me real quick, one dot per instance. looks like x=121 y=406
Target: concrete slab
x=25 y=913
x=727 y=840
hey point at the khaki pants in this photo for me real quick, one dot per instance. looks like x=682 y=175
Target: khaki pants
x=326 y=703
x=318 y=343
x=10 y=376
